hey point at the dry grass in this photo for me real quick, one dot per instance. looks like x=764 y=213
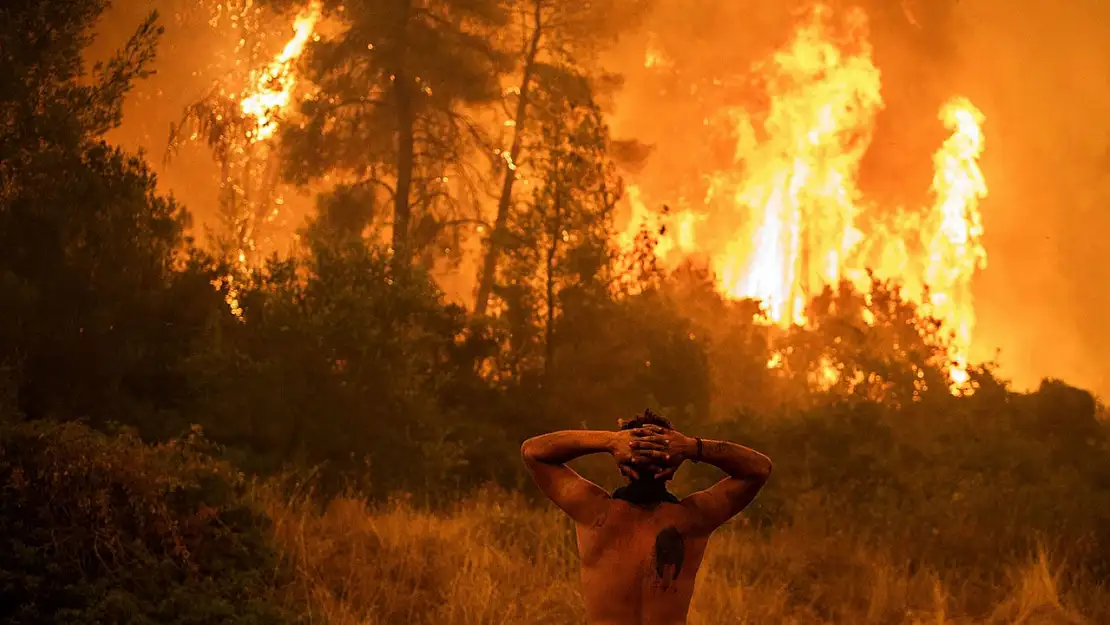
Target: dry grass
x=495 y=560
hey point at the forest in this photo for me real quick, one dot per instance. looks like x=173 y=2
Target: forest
x=325 y=437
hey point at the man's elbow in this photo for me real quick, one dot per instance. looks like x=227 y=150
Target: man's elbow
x=528 y=451
x=763 y=470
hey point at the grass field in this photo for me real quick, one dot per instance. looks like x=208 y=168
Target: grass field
x=107 y=529
x=494 y=559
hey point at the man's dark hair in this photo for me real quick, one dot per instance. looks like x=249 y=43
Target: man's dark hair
x=647 y=417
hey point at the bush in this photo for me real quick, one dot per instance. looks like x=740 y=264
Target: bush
x=970 y=484
x=104 y=529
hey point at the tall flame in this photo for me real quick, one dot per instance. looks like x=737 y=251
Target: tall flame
x=800 y=181
x=792 y=209
x=272 y=86
x=955 y=249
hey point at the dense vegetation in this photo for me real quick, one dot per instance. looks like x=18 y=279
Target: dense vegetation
x=383 y=424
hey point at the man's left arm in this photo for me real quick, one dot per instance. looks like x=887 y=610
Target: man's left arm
x=546 y=457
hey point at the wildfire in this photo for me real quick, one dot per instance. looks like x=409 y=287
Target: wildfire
x=793 y=209
x=268 y=94
x=800 y=181
x=955 y=249
x=273 y=84
x=654 y=57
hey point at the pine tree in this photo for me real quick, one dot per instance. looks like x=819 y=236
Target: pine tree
x=546 y=36
x=388 y=117
x=95 y=316
x=557 y=246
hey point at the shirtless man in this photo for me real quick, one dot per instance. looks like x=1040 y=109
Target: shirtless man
x=641 y=547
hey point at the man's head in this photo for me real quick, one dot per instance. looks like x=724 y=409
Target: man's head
x=647 y=417
x=647 y=489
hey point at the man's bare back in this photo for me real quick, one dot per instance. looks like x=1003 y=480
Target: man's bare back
x=640 y=555
x=639 y=565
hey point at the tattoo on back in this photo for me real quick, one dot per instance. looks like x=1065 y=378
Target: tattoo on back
x=670 y=551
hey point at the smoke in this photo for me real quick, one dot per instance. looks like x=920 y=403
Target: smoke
x=1037 y=69
x=1040 y=71
x=191 y=56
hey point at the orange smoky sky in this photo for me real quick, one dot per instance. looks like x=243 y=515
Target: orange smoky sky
x=1038 y=70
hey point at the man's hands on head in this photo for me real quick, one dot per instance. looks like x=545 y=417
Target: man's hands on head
x=651 y=450
x=665 y=450
x=627 y=448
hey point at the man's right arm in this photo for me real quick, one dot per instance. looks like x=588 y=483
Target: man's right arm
x=747 y=471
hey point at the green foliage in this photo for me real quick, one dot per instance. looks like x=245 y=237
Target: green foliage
x=346 y=362
x=89 y=253
x=101 y=528
x=99 y=305
x=736 y=346
x=47 y=98
x=960 y=484
x=618 y=357
x=553 y=47
x=557 y=245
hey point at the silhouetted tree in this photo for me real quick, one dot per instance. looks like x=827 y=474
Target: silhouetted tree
x=875 y=345
x=389 y=111
x=559 y=240
x=545 y=37
x=95 y=318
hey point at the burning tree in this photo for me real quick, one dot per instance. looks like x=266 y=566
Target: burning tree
x=787 y=220
x=240 y=126
x=386 y=117
x=396 y=115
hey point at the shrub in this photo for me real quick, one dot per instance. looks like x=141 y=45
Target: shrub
x=104 y=529
x=972 y=484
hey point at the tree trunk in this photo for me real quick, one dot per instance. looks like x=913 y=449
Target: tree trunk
x=552 y=251
x=496 y=238
x=402 y=208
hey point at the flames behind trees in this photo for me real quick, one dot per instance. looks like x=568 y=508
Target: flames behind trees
x=240 y=126
x=272 y=87
x=787 y=219
x=352 y=368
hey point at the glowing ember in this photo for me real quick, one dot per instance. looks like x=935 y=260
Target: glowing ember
x=784 y=222
x=273 y=85
x=654 y=57
x=231 y=298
